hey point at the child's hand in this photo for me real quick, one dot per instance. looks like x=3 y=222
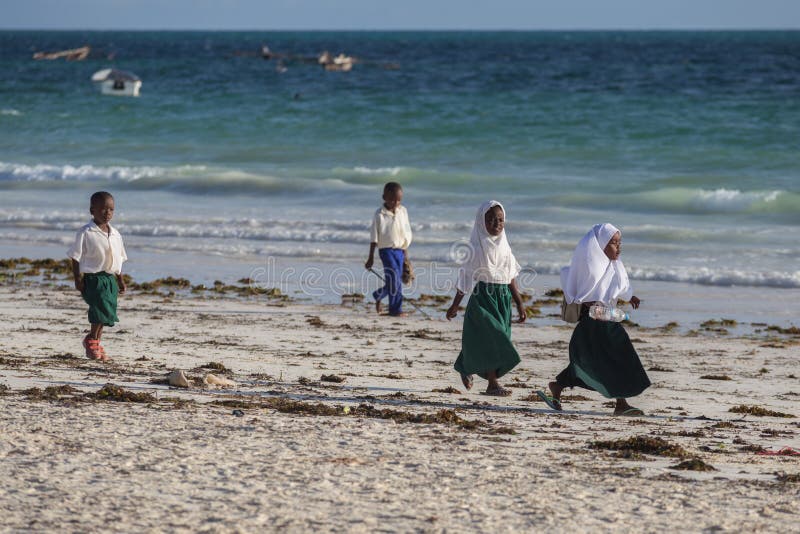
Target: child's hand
x=369 y=263
x=522 y=313
x=79 y=284
x=452 y=311
x=635 y=302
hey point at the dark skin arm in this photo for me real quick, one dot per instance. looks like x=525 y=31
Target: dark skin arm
x=76 y=274
x=121 y=284
x=452 y=311
x=371 y=257
x=635 y=302
x=518 y=301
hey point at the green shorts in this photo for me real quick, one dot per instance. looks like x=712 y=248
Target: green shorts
x=100 y=293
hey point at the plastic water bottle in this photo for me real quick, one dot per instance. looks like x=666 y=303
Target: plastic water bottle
x=601 y=312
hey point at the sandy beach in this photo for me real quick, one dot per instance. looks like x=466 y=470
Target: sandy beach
x=344 y=421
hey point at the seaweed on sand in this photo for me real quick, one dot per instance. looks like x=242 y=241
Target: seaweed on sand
x=695 y=464
x=49 y=393
x=723 y=424
x=216 y=366
x=427 y=333
x=791 y=331
x=112 y=392
x=447 y=417
x=716 y=377
x=448 y=389
x=332 y=378
x=759 y=411
x=642 y=444
x=283 y=405
x=11 y=362
x=314 y=320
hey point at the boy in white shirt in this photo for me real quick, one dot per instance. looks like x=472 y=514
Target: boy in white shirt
x=97 y=256
x=391 y=235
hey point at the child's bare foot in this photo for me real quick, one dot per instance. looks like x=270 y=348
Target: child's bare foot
x=555 y=389
x=498 y=391
x=623 y=408
x=466 y=380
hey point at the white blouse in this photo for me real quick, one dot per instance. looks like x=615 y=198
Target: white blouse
x=97 y=251
x=391 y=230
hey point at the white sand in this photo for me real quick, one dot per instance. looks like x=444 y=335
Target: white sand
x=84 y=466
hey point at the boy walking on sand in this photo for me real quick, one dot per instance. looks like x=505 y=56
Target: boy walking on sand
x=391 y=235
x=97 y=256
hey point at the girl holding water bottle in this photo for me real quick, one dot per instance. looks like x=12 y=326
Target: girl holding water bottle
x=601 y=355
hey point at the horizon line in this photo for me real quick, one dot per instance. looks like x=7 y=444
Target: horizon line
x=407 y=30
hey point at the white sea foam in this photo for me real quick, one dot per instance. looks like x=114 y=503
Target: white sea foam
x=378 y=171
x=10 y=112
x=44 y=172
x=730 y=199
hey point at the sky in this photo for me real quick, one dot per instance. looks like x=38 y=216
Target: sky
x=399 y=14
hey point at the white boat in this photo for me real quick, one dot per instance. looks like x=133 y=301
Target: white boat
x=117 y=82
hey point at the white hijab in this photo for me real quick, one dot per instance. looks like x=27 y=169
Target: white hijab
x=490 y=259
x=591 y=276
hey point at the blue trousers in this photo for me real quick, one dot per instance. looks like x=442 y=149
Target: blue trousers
x=392 y=259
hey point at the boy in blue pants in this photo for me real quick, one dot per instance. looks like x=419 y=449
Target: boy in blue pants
x=391 y=235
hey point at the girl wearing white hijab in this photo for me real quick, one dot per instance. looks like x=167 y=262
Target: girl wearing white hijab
x=601 y=356
x=489 y=276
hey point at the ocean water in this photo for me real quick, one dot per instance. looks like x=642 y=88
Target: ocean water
x=687 y=141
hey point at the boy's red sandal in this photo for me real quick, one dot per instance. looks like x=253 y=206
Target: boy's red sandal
x=93 y=349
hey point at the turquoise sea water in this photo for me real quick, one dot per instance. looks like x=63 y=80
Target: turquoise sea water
x=688 y=141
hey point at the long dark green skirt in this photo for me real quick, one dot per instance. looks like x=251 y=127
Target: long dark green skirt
x=486 y=338
x=100 y=293
x=602 y=358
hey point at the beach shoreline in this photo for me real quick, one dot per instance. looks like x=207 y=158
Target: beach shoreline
x=397 y=444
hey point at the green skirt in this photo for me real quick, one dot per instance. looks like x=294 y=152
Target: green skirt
x=100 y=293
x=486 y=338
x=602 y=358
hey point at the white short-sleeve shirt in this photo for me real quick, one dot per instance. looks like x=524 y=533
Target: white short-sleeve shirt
x=97 y=251
x=391 y=230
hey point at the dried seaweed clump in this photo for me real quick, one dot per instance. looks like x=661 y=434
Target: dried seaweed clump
x=642 y=444
x=448 y=389
x=695 y=464
x=792 y=477
x=759 y=411
x=427 y=333
x=315 y=321
x=723 y=424
x=11 y=362
x=112 y=392
x=447 y=417
x=216 y=366
x=49 y=393
x=716 y=377
x=280 y=404
x=336 y=379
